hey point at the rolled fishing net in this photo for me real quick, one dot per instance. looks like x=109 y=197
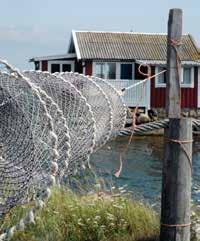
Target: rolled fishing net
x=50 y=125
x=118 y=108
x=33 y=102
x=99 y=102
x=76 y=111
x=17 y=153
x=28 y=145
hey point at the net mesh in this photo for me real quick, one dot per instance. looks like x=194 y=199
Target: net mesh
x=99 y=102
x=23 y=99
x=49 y=126
x=117 y=105
x=16 y=146
x=76 y=111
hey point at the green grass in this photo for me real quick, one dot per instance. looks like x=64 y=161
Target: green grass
x=91 y=217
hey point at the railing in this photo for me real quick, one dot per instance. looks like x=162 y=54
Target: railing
x=135 y=96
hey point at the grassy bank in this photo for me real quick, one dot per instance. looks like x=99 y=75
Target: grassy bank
x=93 y=217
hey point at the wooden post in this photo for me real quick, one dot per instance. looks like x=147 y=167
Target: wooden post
x=176 y=183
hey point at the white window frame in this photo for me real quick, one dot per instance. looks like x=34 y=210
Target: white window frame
x=190 y=85
x=61 y=63
x=40 y=65
x=118 y=68
x=157 y=84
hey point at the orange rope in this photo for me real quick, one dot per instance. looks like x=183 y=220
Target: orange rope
x=181 y=142
x=174 y=43
x=175 y=225
x=148 y=74
x=121 y=155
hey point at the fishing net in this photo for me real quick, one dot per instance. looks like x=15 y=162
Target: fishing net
x=76 y=111
x=99 y=102
x=50 y=124
x=118 y=107
x=28 y=144
x=17 y=157
x=23 y=106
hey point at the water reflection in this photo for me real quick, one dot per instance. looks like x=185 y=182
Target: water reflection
x=142 y=166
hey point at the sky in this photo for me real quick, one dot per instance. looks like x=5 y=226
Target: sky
x=43 y=27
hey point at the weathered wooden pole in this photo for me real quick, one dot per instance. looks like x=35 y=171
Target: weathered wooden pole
x=176 y=184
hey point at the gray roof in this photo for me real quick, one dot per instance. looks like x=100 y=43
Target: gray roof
x=129 y=46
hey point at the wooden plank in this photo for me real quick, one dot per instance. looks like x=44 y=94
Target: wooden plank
x=173 y=95
x=176 y=187
x=198 y=88
x=176 y=180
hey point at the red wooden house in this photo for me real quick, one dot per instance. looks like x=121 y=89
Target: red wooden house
x=116 y=56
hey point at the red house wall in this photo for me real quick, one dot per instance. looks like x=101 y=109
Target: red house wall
x=188 y=95
x=88 y=68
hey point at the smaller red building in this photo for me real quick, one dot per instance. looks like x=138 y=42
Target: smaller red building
x=116 y=56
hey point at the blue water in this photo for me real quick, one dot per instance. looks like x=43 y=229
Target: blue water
x=142 y=166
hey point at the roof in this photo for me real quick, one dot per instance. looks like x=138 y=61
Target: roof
x=53 y=57
x=164 y=62
x=129 y=46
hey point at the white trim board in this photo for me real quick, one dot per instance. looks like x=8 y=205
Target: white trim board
x=76 y=44
x=118 y=32
x=164 y=63
x=51 y=57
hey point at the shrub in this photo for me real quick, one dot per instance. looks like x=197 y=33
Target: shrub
x=91 y=217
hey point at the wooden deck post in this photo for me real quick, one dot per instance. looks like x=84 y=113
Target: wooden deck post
x=176 y=183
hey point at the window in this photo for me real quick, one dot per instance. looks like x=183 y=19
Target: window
x=66 y=67
x=161 y=77
x=100 y=70
x=105 y=70
x=138 y=75
x=55 y=68
x=37 y=65
x=60 y=66
x=160 y=80
x=111 y=71
x=187 y=76
x=126 y=71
